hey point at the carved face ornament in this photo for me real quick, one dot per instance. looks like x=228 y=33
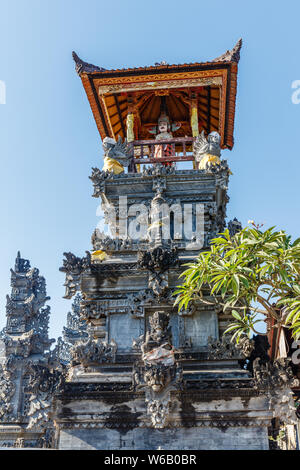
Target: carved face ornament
x=163 y=127
x=157 y=378
x=214 y=138
x=163 y=123
x=108 y=143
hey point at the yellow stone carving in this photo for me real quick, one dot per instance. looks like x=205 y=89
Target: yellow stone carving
x=112 y=165
x=130 y=124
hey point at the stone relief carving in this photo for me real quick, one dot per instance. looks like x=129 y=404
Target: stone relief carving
x=159 y=184
x=101 y=241
x=234 y=226
x=138 y=301
x=93 y=311
x=159 y=410
x=62 y=351
x=281 y=402
x=276 y=379
x=157 y=261
x=157 y=373
x=159 y=336
x=7 y=389
x=158 y=282
x=76 y=325
x=42 y=384
x=93 y=351
x=188 y=311
x=226 y=349
x=98 y=178
x=270 y=375
x=158 y=170
x=157 y=377
x=222 y=172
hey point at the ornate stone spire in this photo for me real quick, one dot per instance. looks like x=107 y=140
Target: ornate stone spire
x=25 y=346
x=27 y=315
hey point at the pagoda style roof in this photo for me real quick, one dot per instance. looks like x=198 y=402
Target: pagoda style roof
x=112 y=92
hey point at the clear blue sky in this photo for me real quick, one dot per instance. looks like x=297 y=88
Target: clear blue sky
x=49 y=140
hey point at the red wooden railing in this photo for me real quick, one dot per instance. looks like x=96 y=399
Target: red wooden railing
x=180 y=146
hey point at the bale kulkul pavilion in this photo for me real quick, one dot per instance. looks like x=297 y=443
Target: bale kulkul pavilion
x=131 y=370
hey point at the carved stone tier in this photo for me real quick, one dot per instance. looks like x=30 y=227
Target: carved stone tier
x=148 y=375
x=115 y=415
x=179 y=190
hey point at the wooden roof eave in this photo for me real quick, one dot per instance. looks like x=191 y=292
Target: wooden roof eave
x=97 y=110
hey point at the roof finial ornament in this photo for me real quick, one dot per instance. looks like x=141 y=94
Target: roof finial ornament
x=231 y=56
x=21 y=265
x=84 y=67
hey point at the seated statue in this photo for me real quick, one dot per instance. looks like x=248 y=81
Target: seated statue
x=162 y=132
x=157 y=347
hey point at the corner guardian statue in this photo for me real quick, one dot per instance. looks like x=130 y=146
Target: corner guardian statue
x=207 y=152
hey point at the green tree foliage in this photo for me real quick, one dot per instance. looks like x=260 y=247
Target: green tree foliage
x=254 y=272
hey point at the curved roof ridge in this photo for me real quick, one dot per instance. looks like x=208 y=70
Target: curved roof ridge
x=232 y=55
x=85 y=67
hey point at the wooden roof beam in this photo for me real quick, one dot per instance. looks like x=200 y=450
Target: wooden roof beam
x=120 y=115
x=208 y=111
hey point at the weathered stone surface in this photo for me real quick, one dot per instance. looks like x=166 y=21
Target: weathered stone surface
x=173 y=383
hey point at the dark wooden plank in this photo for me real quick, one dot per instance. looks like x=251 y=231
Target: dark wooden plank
x=159 y=142
x=208 y=111
x=164 y=159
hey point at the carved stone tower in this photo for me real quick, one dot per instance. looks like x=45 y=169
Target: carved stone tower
x=148 y=375
x=25 y=343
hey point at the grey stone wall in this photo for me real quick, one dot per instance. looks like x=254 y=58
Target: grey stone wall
x=242 y=438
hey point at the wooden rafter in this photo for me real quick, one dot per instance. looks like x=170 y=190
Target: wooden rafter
x=208 y=117
x=120 y=115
